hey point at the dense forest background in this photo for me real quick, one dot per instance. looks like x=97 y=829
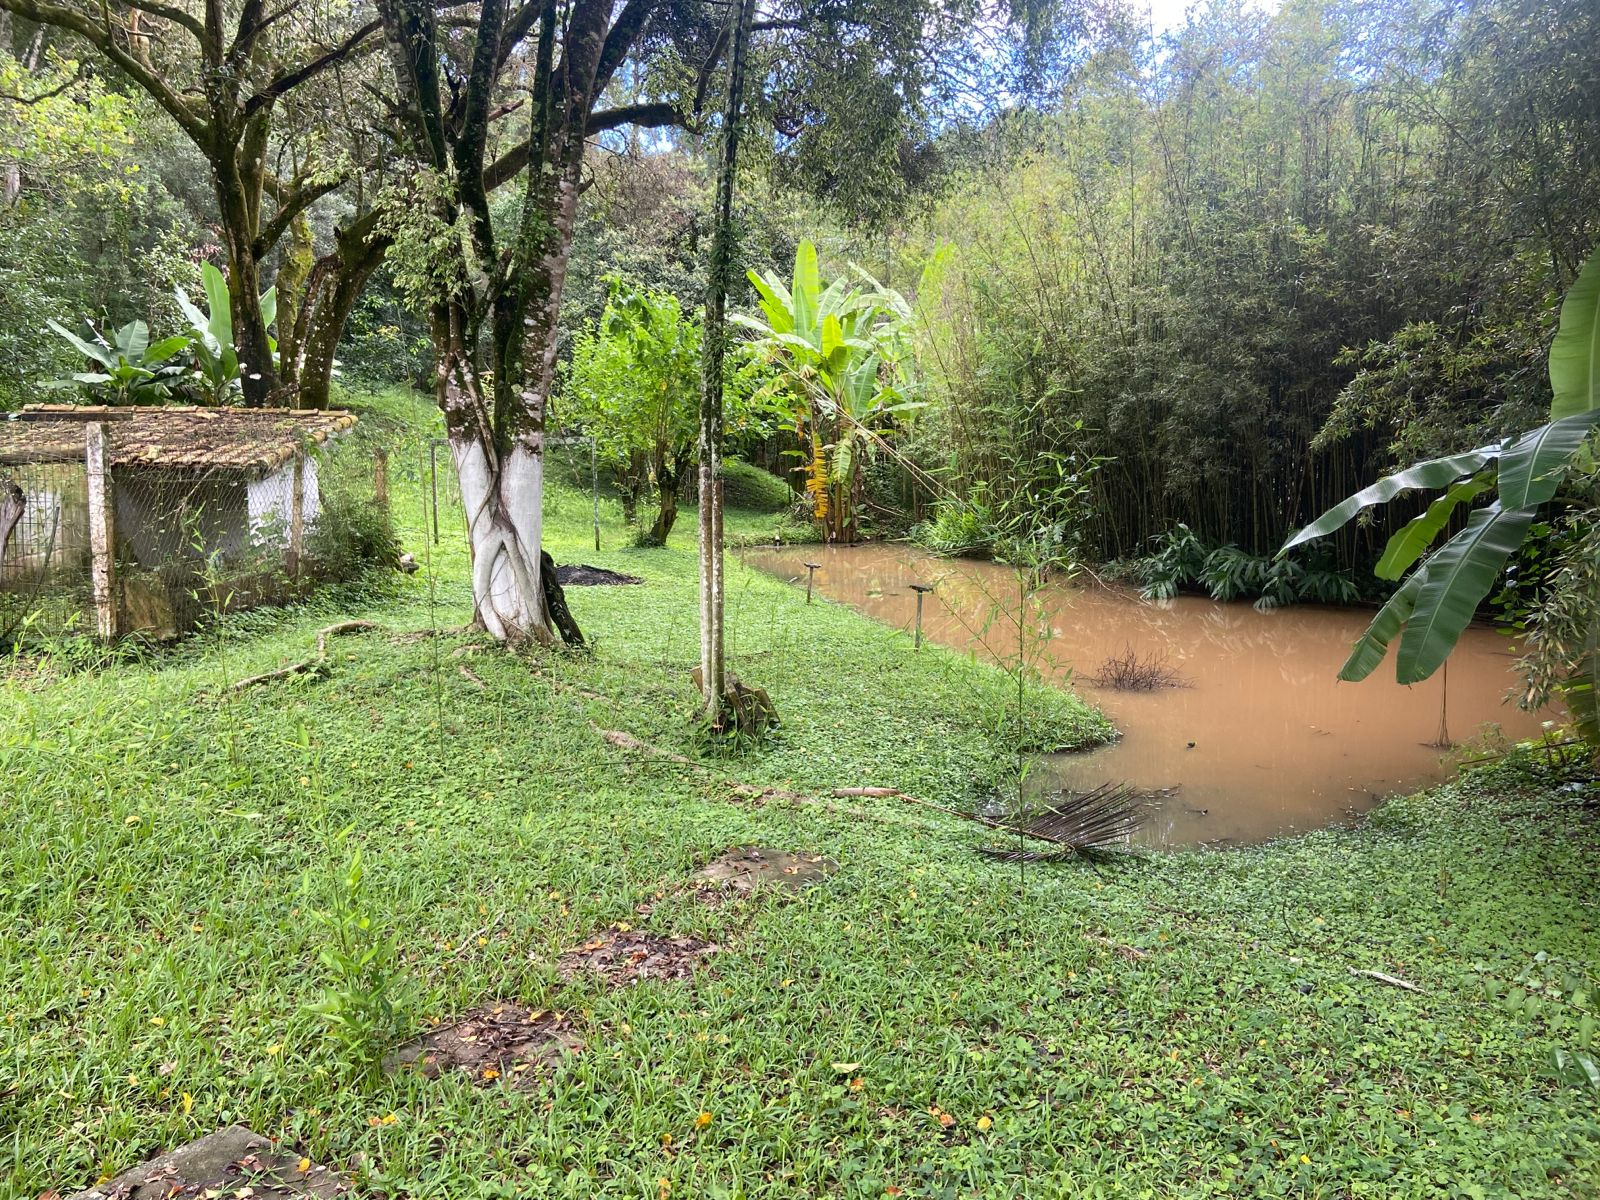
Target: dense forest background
x=1220 y=278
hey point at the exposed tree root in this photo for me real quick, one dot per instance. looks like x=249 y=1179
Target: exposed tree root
x=317 y=665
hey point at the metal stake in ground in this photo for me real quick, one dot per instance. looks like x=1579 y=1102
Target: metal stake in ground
x=811 y=571
x=921 y=589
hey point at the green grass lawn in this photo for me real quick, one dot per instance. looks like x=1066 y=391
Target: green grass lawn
x=922 y=1023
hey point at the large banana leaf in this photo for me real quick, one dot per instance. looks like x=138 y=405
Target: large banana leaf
x=1407 y=544
x=1455 y=579
x=132 y=340
x=807 y=292
x=1530 y=469
x=774 y=303
x=1372 y=645
x=1433 y=473
x=1575 y=354
x=220 y=321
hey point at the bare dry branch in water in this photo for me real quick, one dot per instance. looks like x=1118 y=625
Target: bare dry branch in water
x=1132 y=672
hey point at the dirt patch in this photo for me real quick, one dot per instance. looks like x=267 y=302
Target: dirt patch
x=232 y=1161
x=745 y=868
x=500 y=1042
x=624 y=956
x=583 y=575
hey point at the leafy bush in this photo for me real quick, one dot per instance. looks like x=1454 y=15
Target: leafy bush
x=959 y=529
x=1181 y=562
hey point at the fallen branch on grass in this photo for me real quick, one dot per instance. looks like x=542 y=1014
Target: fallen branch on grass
x=1391 y=980
x=317 y=665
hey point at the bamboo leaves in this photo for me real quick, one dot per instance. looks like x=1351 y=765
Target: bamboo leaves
x=1438 y=600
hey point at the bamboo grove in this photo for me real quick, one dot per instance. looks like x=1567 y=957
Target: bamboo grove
x=1241 y=271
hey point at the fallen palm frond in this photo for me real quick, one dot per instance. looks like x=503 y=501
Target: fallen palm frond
x=1078 y=823
x=1132 y=672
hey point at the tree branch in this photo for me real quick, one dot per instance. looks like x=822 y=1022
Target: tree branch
x=268 y=95
x=646 y=116
x=292 y=201
x=169 y=13
x=100 y=36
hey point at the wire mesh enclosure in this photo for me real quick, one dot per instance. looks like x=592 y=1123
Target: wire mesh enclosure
x=44 y=546
x=145 y=521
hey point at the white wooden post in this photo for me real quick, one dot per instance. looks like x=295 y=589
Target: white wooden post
x=102 y=532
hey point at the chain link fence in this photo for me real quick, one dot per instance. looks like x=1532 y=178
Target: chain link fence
x=188 y=532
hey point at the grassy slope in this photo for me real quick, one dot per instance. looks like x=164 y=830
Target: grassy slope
x=1187 y=1027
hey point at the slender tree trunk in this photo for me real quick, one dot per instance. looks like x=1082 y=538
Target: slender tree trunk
x=668 y=475
x=713 y=667
x=331 y=295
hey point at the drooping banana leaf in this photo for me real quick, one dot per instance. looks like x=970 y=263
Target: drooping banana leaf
x=1575 y=353
x=90 y=350
x=1433 y=473
x=1372 y=645
x=1408 y=543
x=1456 y=578
x=1530 y=469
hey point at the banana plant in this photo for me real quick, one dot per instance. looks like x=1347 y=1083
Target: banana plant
x=840 y=356
x=130 y=369
x=217 y=369
x=1437 y=600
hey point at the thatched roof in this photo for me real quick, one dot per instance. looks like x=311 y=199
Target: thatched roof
x=174 y=438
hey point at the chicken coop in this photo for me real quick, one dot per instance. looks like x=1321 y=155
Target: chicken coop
x=121 y=521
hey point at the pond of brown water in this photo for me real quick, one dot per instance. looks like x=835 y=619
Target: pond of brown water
x=1260 y=739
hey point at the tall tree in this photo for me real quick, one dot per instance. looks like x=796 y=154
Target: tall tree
x=493 y=289
x=221 y=76
x=713 y=345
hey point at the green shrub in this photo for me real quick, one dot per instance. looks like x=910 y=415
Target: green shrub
x=1182 y=562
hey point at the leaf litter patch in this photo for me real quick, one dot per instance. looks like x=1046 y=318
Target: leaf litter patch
x=502 y=1041
x=583 y=575
x=623 y=956
x=230 y=1162
x=746 y=869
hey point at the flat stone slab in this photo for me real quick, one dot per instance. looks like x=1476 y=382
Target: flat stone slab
x=746 y=868
x=220 y=1165
x=501 y=1042
x=622 y=956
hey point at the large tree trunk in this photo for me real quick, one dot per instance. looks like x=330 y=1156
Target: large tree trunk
x=504 y=521
x=236 y=178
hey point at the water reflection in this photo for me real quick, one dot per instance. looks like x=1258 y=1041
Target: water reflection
x=1261 y=741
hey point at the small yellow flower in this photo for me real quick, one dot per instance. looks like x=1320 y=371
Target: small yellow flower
x=1306 y=1159
x=275 y=1049
x=188 y=1103
x=984 y=1123
x=702 y=1120
x=158 y=1021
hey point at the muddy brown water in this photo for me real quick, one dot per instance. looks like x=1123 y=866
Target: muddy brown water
x=1261 y=741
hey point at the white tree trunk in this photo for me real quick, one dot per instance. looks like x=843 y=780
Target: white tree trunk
x=503 y=527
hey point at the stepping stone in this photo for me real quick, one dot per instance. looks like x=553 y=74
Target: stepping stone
x=503 y=1041
x=746 y=868
x=222 y=1164
x=623 y=956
